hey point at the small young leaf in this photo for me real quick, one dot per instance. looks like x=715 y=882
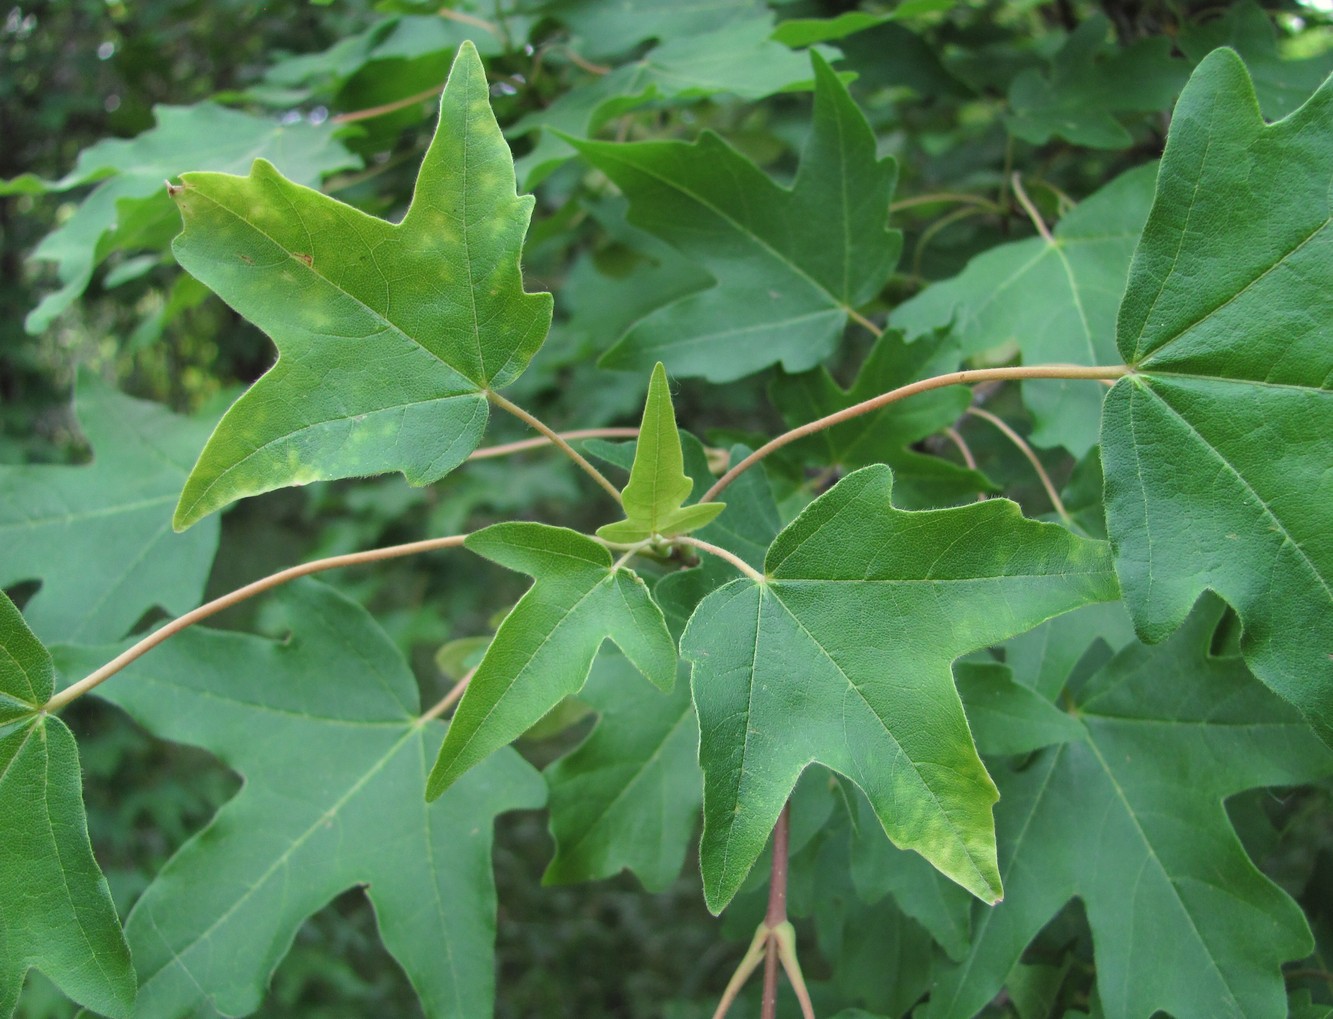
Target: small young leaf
x=843 y=657
x=544 y=648
x=1133 y=824
x=57 y=913
x=657 y=482
x=1216 y=449
x=389 y=335
x=325 y=729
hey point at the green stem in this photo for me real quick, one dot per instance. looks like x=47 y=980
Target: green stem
x=241 y=594
x=959 y=378
x=533 y=422
x=722 y=553
x=508 y=448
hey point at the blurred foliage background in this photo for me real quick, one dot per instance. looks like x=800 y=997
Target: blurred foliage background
x=962 y=94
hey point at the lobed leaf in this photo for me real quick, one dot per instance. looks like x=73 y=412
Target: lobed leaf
x=1216 y=447
x=99 y=536
x=544 y=648
x=389 y=336
x=842 y=656
x=325 y=730
x=1128 y=816
x=58 y=914
x=790 y=264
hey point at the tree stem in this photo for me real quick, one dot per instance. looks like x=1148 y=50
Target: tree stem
x=241 y=594
x=553 y=436
x=959 y=378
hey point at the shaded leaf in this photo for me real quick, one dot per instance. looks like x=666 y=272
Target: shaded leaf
x=99 y=536
x=657 y=485
x=628 y=797
x=58 y=915
x=544 y=648
x=1057 y=301
x=604 y=30
x=886 y=435
x=127 y=207
x=389 y=335
x=1216 y=449
x=220 y=916
x=1129 y=818
x=842 y=656
x=790 y=264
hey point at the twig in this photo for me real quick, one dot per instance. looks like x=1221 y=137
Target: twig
x=1049 y=371
x=393 y=107
x=777 y=908
x=450 y=699
x=1028 y=452
x=241 y=594
x=1031 y=209
x=507 y=448
x=963 y=448
x=945 y=196
x=722 y=553
x=554 y=437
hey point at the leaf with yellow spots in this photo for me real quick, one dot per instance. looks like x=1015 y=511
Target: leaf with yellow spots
x=389 y=335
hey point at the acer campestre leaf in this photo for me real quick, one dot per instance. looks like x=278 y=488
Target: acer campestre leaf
x=57 y=915
x=790 y=265
x=657 y=485
x=1133 y=823
x=842 y=656
x=544 y=648
x=99 y=536
x=389 y=335
x=325 y=730
x=1216 y=448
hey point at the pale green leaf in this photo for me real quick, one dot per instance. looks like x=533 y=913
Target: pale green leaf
x=657 y=483
x=790 y=264
x=1216 y=448
x=389 y=335
x=324 y=729
x=544 y=648
x=58 y=915
x=842 y=656
x=99 y=536
x=1129 y=818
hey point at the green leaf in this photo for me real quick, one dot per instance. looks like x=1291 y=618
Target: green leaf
x=657 y=483
x=127 y=208
x=1129 y=818
x=628 y=797
x=1091 y=80
x=738 y=58
x=1281 y=86
x=58 y=915
x=1007 y=717
x=544 y=648
x=99 y=536
x=389 y=335
x=604 y=30
x=1056 y=300
x=790 y=264
x=1216 y=449
x=886 y=435
x=842 y=656
x=324 y=729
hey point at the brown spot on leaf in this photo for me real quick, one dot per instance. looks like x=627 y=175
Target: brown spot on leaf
x=307 y=259
x=245 y=258
x=174 y=189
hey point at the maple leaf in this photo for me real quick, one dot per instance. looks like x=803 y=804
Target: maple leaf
x=389 y=335
x=58 y=915
x=791 y=265
x=544 y=648
x=1216 y=447
x=1134 y=825
x=842 y=656
x=325 y=730
x=99 y=536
